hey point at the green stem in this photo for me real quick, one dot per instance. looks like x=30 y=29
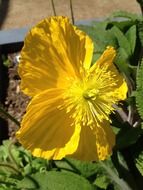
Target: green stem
x=7 y=115
x=120 y=182
x=72 y=13
x=53 y=7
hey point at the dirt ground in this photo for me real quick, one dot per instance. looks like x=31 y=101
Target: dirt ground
x=15 y=102
x=18 y=13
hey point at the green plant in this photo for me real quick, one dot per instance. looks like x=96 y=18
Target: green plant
x=124 y=170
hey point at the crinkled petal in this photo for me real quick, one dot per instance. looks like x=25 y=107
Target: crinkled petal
x=54 y=51
x=96 y=142
x=107 y=58
x=46 y=130
x=105 y=65
x=107 y=84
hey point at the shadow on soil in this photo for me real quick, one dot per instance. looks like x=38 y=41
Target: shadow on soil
x=3 y=93
x=4 y=5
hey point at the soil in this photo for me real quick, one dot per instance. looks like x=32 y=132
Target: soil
x=16 y=101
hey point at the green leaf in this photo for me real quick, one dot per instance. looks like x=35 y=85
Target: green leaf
x=112 y=174
x=122 y=40
x=6 y=61
x=95 y=27
x=122 y=61
x=124 y=172
x=7 y=182
x=139 y=163
x=55 y=180
x=131 y=36
x=123 y=25
x=28 y=183
x=86 y=169
x=140 y=30
x=102 y=181
x=20 y=159
x=139 y=90
x=100 y=36
x=128 y=136
x=125 y=14
x=4 y=153
x=100 y=25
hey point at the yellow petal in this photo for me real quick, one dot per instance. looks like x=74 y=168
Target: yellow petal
x=85 y=50
x=54 y=50
x=95 y=143
x=107 y=61
x=109 y=85
x=46 y=130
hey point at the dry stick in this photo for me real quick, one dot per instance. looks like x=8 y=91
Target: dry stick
x=72 y=13
x=53 y=7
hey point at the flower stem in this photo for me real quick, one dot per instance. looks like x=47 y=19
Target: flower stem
x=120 y=182
x=7 y=115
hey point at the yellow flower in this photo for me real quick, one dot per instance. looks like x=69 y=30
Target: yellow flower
x=71 y=100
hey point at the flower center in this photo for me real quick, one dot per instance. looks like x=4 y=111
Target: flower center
x=81 y=92
x=86 y=103
x=90 y=94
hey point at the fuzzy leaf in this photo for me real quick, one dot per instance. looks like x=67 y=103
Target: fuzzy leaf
x=131 y=36
x=139 y=163
x=54 y=180
x=85 y=169
x=100 y=36
x=122 y=61
x=139 y=90
x=140 y=31
x=102 y=181
x=122 y=25
x=122 y=40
